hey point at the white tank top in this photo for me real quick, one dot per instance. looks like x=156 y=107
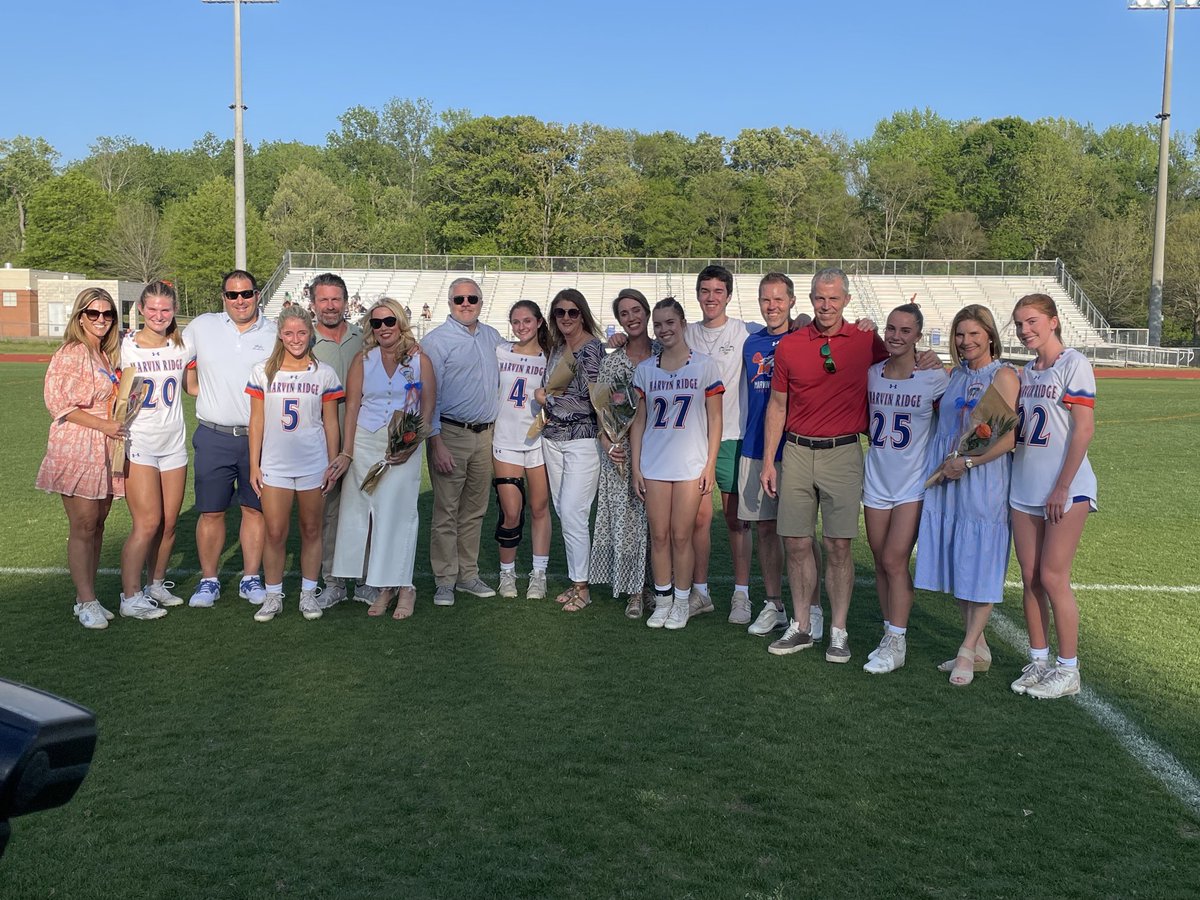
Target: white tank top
x=383 y=395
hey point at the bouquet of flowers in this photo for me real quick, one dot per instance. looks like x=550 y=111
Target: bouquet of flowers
x=615 y=403
x=556 y=385
x=991 y=418
x=128 y=403
x=406 y=430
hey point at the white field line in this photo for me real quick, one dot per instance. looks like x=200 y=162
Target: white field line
x=1160 y=763
x=716 y=579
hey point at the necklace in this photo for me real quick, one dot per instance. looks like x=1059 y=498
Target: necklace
x=710 y=346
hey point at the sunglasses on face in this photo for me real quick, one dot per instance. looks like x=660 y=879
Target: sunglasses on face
x=564 y=313
x=94 y=314
x=385 y=322
x=830 y=365
x=245 y=295
x=465 y=298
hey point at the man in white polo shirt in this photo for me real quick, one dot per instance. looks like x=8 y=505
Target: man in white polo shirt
x=226 y=346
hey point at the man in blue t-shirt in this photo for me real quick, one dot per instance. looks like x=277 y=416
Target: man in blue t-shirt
x=776 y=297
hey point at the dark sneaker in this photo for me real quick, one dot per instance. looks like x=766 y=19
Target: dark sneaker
x=793 y=641
x=839 y=646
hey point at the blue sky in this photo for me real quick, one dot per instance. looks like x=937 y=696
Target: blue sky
x=161 y=70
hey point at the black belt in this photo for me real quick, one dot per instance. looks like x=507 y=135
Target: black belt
x=235 y=430
x=821 y=443
x=476 y=427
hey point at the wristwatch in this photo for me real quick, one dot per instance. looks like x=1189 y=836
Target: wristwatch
x=969 y=463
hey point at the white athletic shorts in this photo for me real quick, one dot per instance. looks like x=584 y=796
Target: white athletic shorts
x=526 y=459
x=1040 y=511
x=303 y=483
x=176 y=459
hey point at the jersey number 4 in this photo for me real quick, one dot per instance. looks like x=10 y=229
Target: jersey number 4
x=901 y=435
x=662 y=406
x=517 y=395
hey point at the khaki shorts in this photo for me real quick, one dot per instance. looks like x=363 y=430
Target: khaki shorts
x=753 y=503
x=831 y=479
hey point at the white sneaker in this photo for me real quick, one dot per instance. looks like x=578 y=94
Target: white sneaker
x=508 y=584
x=161 y=594
x=816 y=623
x=699 y=603
x=537 y=586
x=251 y=588
x=332 y=594
x=662 y=611
x=1061 y=681
x=770 y=619
x=139 y=606
x=889 y=656
x=91 y=614
x=206 y=594
x=678 y=617
x=739 y=613
x=879 y=646
x=1032 y=674
x=270 y=608
x=310 y=605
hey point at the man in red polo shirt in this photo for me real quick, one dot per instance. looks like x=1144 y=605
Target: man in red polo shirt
x=819 y=392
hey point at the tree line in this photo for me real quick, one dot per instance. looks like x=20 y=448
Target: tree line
x=406 y=178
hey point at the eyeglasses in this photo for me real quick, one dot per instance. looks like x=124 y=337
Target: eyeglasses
x=830 y=365
x=465 y=298
x=564 y=313
x=385 y=322
x=94 y=314
x=245 y=295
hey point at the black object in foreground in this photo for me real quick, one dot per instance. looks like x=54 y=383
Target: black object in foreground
x=46 y=747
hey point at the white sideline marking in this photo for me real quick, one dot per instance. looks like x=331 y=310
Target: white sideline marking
x=715 y=579
x=1160 y=763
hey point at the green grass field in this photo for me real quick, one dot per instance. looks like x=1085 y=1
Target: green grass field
x=505 y=749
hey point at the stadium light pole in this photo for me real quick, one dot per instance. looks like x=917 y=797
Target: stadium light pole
x=1158 y=256
x=239 y=154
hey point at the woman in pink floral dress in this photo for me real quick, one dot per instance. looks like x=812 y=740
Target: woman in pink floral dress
x=80 y=385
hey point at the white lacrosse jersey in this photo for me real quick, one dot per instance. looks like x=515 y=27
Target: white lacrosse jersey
x=724 y=345
x=158 y=429
x=1044 y=429
x=293 y=432
x=520 y=376
x=900 y=423
x=675 y=442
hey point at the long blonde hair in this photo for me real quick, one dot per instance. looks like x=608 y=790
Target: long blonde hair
x=110 y=344
x=407 y=343
x=275 y=360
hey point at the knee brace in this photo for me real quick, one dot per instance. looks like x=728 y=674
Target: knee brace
x=509 y=537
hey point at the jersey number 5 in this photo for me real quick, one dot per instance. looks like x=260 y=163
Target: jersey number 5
x=291 y=414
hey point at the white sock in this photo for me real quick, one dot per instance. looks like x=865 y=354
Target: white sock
x=540 y=563
x=157 y=582
x=682 y=594
x=744 y=588
x=663 y=589
x=508 y=567
x=306 y=584
x=887 y=626
x=896 y=629
x=701 y=587
x=1071 y=663
x=1039 y=654
x=275 y=588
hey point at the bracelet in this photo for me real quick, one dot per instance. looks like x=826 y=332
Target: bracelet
x=349 y=458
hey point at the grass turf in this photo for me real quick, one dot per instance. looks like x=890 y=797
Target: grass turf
x=502 y=748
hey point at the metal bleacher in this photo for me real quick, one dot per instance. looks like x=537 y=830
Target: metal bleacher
x=941 y=287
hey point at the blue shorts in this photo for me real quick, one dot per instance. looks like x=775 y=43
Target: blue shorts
x=222 y=467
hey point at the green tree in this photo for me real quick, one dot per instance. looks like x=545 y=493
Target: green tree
x=200 y=242
x=956 y=235
x=119 y=164
x=1113 y=264
x=1049 y=190
x=270 y=161
x=25 y=163
x=70 y=218
x=1181 y=280
x=309 y=212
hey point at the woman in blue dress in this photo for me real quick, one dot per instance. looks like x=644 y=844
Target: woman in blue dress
x=964 y=537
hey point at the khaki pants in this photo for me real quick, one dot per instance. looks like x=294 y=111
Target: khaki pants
x=460 y=501
x=333 y=503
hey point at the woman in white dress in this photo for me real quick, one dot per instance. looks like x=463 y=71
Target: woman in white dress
x=389 y=375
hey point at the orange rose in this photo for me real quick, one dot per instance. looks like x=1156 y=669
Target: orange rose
x=984 y=430
x=408 y=437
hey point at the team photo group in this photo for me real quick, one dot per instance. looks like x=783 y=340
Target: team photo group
x=627 y=438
